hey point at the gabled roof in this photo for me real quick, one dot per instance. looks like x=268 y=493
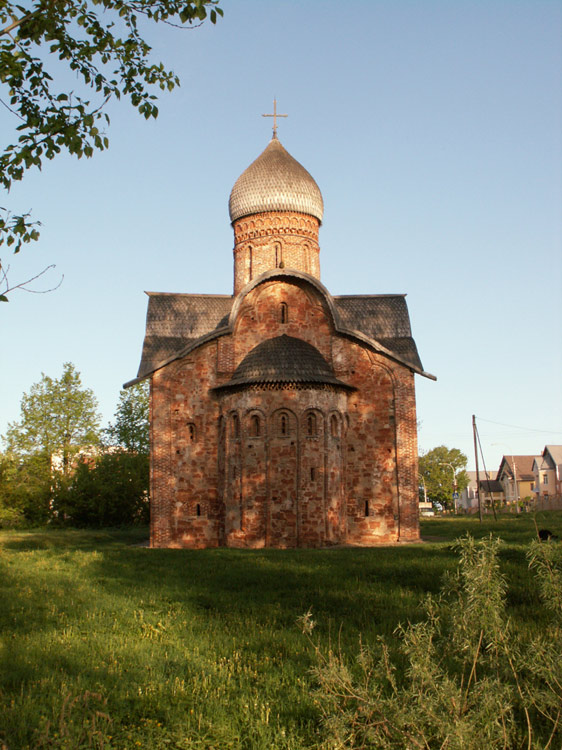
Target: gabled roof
x=178 y=323
x=174 y=322
x=523 y=467
x=383 y=318
x=555 y=454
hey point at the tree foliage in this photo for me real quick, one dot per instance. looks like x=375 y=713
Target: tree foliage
x=463 y=677
x=440 y=469
x=111 y=491
x=26 y=485
x=100 y=43
x=58 y=416
x=47 y=476
x=130 y=430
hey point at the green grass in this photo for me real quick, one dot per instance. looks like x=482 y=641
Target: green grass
x=105 y=643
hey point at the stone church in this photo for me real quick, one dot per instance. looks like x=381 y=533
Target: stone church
x=281 y=416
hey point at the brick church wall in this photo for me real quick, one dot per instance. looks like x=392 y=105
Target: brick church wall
x=226 y=471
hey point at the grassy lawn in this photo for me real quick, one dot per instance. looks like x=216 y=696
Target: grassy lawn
x=105 y=643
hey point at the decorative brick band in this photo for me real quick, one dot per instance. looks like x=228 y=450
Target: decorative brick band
x=272 y=223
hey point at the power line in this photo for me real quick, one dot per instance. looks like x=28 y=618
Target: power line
x=518 y=427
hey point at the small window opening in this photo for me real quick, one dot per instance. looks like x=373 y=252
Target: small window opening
x=284 y=312
x=255 y=427
x=250 y=262
x=311 y=424
x=235 y=426
x=283 y=424
x=279 y=256
x=366 y=508
x=312 y=474
x=191 y=432
x=334 y=427
x=197 y=510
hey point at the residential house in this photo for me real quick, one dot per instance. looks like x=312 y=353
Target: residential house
x=547 y=470
x=517 y=477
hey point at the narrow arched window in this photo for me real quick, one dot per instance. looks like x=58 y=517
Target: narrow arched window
x=278 y=256
x=312 y=474
x=306 y=251
x=255 y=426
x=191 y=432
x=235 y=426
x=197 y=510
x=334 y=426
x=311 y=424
x=283 y=424
x=366 y=508
x=284 y=313
x=250 y=262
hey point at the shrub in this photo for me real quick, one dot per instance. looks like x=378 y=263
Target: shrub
x=113 y=491
x=460 y=678
x=25 y=490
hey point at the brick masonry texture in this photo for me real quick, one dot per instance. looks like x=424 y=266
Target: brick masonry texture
x=281 y=464
x=275 y=240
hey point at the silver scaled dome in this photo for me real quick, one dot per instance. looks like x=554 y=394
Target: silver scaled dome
x=275 y=182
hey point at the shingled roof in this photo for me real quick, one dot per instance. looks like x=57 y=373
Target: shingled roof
x=383 y=318
x=275 y=181
x=175 y=323
x=284 y=359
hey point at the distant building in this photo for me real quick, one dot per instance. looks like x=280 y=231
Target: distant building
x=491 y=492
x=517 y=477
x=547 y=471
x=468 y=498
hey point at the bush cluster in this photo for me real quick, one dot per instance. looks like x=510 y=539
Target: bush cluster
x=463 y=677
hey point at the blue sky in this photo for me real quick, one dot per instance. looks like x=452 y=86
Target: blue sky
x=434 y=131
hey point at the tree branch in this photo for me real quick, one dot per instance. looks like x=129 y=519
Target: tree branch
x=24 y=284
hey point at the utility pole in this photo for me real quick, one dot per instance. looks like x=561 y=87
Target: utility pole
x=477 y=472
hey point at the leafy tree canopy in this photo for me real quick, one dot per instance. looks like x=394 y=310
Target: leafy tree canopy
x=130 y=430
x=442 y=469
x=112 y=491
x=100 y=42
x=58 y=416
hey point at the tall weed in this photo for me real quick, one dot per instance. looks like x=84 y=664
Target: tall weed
x=460 y=679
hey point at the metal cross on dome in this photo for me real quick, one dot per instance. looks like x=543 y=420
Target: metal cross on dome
x=275 y=115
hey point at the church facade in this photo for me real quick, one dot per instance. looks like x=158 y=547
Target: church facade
x=281 y=416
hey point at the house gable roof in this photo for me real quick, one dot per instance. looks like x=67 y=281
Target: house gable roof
x=523 y=468
x=553 y=455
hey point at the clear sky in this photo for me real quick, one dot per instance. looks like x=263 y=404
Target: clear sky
x=433 y=129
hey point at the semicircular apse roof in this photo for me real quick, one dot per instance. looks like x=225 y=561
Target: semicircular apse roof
x=283 y=359
x=275 y=181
